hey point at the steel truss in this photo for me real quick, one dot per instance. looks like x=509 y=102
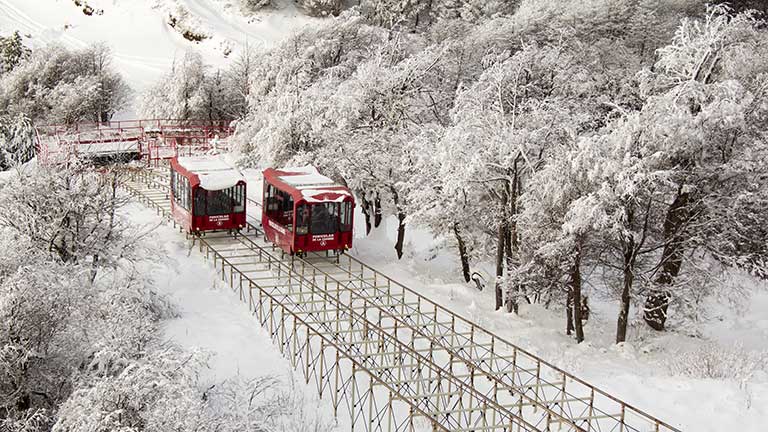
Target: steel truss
x=386 y=354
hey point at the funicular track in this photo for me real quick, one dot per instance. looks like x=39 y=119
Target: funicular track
x=389 y=355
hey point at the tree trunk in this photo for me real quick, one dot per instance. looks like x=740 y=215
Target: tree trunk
x=512 y=303
x=569 y=312
x=629 y=277
x=400 y=219
x=575 y=283
x=400 y=234
x=365 y=206
x=657 y=302
x=501 y=240
x=377 y=210
x=501 y=245
x=462 y=252
x=511 y=248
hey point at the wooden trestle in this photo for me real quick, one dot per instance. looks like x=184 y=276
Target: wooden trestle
x=387 y=355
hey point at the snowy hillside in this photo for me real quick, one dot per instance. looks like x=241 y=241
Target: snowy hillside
x=138 y=31
x=552 y=213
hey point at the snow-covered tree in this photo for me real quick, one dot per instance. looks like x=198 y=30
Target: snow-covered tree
x=71 y=303
x=503 y=124
x=161 y=391
x=240 y=76
x=180 y=94
x=55 y=85
x=153 y=393
x=12 y=52
x=17 y=141
x=651 y=189
x=69 y=212
x=704 y=110
x=254 y=5
x=320 y=8
x=292 y=86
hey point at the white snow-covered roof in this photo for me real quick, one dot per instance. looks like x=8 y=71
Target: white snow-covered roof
x=305 y=177
x=214 y=173
x=313 y=186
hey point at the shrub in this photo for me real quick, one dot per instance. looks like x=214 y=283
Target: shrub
x=718 y=362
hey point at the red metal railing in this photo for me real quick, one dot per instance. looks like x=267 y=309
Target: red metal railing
x=153 y=140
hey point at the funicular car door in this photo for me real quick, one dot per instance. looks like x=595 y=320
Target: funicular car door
x=278 y=223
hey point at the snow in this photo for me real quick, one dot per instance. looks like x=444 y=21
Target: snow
x=108 y=147
x=213 y=171
x=314 y=186
x=144 y=45
x=212 y=318
x=306 y=169
x=303 y=176
x=306 y=179
x=638 y=372
x=208 y=312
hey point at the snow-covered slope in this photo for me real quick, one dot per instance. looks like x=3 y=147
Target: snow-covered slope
x=212 y=319
x=143 y=42
x=648 y=371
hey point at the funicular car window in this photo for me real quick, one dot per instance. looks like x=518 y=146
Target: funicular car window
x=185 y=192
x=324 y=218
x=302 y=219
x=346 y=216
x=239 y=198
x=219 y=203
x=237 y=195
x=180 y=189
x=173 y=185
x=286 y=209
x=280 y=207
x=271 y=201
x=200 y=202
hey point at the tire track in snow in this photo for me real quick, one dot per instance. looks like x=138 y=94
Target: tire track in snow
x=31 y=26
x=143 y=45
x=219 y=23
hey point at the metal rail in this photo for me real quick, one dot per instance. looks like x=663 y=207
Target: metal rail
x=389 y=361
x=408 y=330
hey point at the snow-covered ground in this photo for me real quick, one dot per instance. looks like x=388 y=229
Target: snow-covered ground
x=643 y=372
x=212 y=318
x=143 y=43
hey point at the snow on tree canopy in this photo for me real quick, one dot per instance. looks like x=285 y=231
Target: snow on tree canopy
x=212 y=171
x=313 y=186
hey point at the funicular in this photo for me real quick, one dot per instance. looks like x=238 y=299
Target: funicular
x=305 y=211
x=207 y=194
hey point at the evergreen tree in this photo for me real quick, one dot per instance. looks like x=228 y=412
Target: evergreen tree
x=12 y=52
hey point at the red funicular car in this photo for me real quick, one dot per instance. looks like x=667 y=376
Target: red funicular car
x=207 y=194
x=304 y=211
